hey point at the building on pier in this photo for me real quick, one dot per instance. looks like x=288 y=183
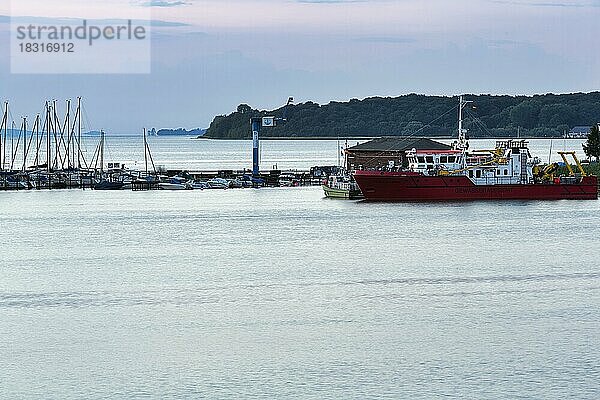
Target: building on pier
x=387 y=151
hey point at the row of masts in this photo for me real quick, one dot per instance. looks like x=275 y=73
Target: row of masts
x=49 y=151
x=50 y=143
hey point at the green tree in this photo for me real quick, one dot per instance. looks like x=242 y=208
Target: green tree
x=592 y=146
x=524 y=114
x=541 y=115
x=244 y=108
x=412 y=127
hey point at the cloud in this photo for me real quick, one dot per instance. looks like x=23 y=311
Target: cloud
x=164 y=3
x=70 y=21
x=331 y=1
x=575 y=4
x=167 y=24
x=386 y=39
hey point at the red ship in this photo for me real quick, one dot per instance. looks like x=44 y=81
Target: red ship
x=504 y=173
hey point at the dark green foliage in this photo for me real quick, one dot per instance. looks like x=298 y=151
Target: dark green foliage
x=494 y=116
x=592 y=146
x=592 y=169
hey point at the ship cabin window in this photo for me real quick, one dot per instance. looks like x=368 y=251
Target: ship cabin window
x=444 y=159
x=498 y=172
x=451 y=159
x=505 y=172
x=478 y=173
x=421 y=159
x=470 y=173
x=429 y=159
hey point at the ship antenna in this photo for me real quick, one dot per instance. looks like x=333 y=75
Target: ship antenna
x=462 y=133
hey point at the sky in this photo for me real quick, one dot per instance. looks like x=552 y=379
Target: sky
x=215 y=54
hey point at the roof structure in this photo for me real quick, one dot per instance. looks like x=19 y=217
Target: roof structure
x=399 y=144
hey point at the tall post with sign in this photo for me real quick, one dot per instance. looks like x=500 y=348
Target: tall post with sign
x=256 y=122
x=267 y=122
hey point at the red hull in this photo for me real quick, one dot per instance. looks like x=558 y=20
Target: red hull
x=402 y=186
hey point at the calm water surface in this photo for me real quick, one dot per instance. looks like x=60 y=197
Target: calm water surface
x=177 y=152
x=279 y=293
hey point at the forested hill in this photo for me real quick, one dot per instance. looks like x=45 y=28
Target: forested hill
x=498 y=116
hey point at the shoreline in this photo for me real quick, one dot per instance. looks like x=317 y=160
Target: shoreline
x=379 y=137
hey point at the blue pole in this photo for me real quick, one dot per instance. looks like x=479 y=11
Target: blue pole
x=255 y=145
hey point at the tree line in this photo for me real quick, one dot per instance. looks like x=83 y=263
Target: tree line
x=548 y=115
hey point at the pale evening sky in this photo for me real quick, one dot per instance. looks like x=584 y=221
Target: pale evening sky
x=261 y=51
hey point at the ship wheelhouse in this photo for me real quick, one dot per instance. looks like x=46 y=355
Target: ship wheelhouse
x=430 y=162
x=508 y=164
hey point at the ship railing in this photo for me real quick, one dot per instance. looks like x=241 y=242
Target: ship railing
x=512 y=144
x=570 y=180
x=496 y=180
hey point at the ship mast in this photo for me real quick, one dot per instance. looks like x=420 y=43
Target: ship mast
x=462 y=133
x=462 y=144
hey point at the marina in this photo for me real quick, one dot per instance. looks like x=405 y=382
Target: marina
x=52 y=156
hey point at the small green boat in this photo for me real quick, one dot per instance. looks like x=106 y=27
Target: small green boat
x=342 y=187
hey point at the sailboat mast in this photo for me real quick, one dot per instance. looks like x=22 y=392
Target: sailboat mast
x=37 y=141
x=36 y=131
x=48 y=137
x=4 y=126
x=69 y=133
x=101 y=151
x=145 y=152
x=24 y=143
x=54 y=117
x=79 y=133
x=12 y=144
x=148 y=153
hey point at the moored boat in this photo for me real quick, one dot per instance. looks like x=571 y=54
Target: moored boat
x=341 y=187
x=175 y=184
x=217 y=183
x=401 y=186
x=506 y=172
x=108 y=185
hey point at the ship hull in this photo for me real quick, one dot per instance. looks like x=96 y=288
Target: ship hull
x=398 y=186
x=336 y=193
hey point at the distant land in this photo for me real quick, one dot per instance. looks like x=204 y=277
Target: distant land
x=199 y=132
x=16 y=132
x=177 y=132
x=164 y=132
x=548 y=115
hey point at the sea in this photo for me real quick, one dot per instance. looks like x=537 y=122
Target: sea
x=279 y=293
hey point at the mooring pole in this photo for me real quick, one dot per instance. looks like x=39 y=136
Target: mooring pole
x=255 y=122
